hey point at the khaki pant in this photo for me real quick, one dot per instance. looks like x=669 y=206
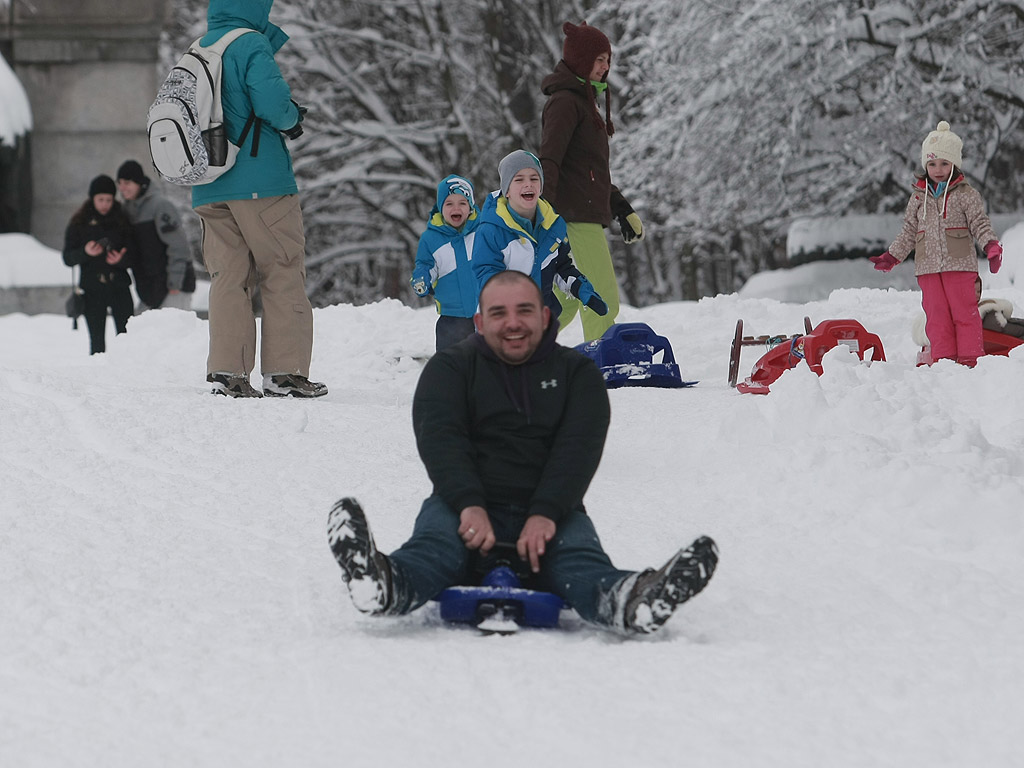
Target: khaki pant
x=593 y=258
x=248 y=243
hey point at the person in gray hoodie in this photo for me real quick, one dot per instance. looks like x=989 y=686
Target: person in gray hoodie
x=164 y=275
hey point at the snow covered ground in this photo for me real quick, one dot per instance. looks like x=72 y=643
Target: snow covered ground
x=168 y=597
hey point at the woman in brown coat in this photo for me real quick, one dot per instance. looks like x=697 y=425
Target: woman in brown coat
x=577 y=179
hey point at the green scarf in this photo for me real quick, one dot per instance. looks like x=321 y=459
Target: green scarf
x=599 y=86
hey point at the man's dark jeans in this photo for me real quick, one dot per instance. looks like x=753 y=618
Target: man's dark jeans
x=575 y=566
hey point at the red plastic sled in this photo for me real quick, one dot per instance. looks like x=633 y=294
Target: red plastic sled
x=995 y=344
x=811 y=347
x=739 y=341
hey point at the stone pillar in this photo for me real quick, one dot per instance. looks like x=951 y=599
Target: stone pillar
x=90 y=70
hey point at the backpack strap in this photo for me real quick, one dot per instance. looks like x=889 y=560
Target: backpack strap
x=219 y=48
x=256 y=135
x=225 y=40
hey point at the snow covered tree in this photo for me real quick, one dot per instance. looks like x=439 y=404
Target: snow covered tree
x=745 y=114
x=733 y=118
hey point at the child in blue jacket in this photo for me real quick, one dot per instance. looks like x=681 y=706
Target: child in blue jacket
x=518 y=230
x=442 y=261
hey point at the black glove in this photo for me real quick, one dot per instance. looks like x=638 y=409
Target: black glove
x=631 y=226
x=584 y=291
x=296 y=130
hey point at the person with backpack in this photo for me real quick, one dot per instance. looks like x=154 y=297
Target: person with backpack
x=98 y=239
x=164 y=275
x=252 y=221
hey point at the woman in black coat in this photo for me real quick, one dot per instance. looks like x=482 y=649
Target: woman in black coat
x=99 y=240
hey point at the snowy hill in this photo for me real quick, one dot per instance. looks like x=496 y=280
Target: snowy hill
x=169 y=598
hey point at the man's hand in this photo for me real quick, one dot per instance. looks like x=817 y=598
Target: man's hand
x=537 y=532
x=476 y=530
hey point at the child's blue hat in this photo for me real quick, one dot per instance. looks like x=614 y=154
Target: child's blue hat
x=454 y=185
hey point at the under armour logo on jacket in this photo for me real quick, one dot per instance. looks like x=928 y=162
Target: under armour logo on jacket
x=549 y=383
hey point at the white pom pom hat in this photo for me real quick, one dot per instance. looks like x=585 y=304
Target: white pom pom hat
x=942 y=144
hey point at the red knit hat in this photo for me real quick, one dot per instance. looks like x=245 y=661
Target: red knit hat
x=583 y=44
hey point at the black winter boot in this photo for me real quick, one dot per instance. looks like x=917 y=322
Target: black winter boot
x=285 y=384
x=644 y=602
x=232 y=385
x=365 y=570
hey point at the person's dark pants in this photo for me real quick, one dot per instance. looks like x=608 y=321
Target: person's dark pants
x=96 y=302
x=575 y=566
x=451 y=330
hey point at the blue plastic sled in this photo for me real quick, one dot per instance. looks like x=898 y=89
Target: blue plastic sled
x=500 y=596
x=633 y=355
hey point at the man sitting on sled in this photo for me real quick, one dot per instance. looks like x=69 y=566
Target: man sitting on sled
x=511 y=426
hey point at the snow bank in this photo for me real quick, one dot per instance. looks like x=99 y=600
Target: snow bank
x=24 y=261
x=16 y=115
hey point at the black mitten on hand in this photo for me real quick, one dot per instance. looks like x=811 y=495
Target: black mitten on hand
x=631 y=226
x=597 y=304
x=296 y=130
x=583 y=290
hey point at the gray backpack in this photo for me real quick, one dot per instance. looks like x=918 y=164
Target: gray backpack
x=187 y=139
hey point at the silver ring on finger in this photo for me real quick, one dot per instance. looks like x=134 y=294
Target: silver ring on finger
x=471 y=531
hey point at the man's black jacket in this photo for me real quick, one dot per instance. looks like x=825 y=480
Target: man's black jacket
x=529 y=435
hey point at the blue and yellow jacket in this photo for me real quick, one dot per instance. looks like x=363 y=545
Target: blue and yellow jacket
x=443 y=262
x=502 y=242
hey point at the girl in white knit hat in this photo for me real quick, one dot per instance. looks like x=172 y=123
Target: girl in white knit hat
x=944 y=218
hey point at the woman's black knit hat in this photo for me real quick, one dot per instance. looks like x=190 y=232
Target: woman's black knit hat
x=102 y=185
